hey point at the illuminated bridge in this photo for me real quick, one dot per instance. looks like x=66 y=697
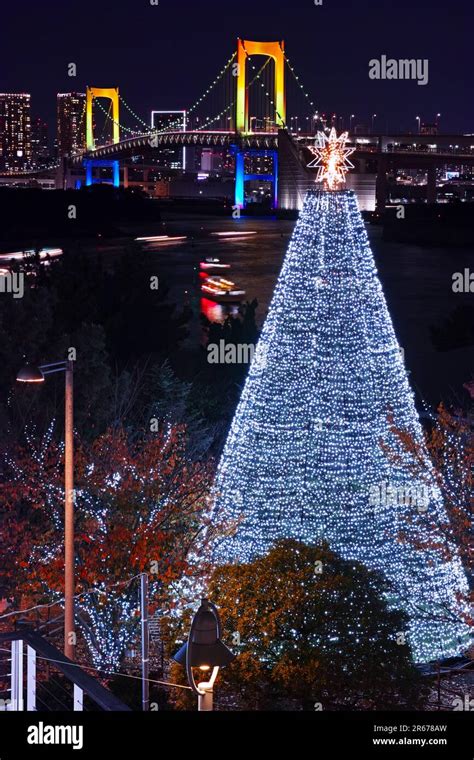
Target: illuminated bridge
x=250 y=103
x=131 y=146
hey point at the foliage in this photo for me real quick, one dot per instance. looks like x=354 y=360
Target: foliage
x=315 y=632
x=140 y=506
x=449 y=442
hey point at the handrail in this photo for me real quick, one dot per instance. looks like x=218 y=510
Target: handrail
x=89 y=685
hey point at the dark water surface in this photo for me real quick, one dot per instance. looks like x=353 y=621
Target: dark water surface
x=417 y=283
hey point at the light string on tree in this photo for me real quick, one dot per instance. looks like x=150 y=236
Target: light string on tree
x=108 y=606
x=304 y=456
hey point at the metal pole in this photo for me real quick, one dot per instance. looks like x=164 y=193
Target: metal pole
x=145 y=642
x=30 y=679
x=16 y=676
x=205 y=701
x=69 y=632
x=78 y=699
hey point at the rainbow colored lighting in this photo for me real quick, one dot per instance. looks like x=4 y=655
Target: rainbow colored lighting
x=112 y=93
x=275 y=50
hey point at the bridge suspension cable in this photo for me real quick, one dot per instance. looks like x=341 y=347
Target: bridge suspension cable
x=265 y=102
x=122 y=126
x=263 y=84
x=210 y=120
x=297 y=80
x=211 y=87
x=190 y=110
x=107 y=119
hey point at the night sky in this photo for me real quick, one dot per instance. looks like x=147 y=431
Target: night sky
x=164 y=56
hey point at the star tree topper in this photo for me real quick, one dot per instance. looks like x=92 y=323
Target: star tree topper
x=331 y=158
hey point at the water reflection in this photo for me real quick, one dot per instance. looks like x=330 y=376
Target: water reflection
x=218 y=312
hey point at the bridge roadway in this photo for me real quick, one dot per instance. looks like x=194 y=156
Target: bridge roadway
x=146 y=143
x=401 y=150
x=379 y=155
x=418 y=150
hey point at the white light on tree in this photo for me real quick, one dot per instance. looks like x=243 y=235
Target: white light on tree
x=306 y=454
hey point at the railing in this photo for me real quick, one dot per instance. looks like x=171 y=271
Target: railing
x=30 y=664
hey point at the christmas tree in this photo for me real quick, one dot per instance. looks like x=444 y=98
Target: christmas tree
x=307 y=454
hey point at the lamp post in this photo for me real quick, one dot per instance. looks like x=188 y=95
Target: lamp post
x=374 y=116
x=30 y=374
x=350 y=122
x=419 y=123
x=204 y=650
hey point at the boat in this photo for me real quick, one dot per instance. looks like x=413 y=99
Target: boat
x=212 y=265
x=44 y=255
x=221 y=290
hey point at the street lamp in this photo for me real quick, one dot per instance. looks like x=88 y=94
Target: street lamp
x=374 y=116
x=29 y=374
x=350 y=122
x=419 y=124
x=204 y=650
x=438 y=115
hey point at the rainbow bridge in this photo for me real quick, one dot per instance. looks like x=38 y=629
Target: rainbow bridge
x=250 y=103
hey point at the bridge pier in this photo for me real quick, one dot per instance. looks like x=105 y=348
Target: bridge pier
x=381 y=185
x=241 y=177
x=90 y=164
x=60 y=179
x=294 y=179
x=431 y=194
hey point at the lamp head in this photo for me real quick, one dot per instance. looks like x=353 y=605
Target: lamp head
x=206 y=649
x=30 y=374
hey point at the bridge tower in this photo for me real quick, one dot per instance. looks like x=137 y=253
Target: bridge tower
x=274 y=50
x=112 y=93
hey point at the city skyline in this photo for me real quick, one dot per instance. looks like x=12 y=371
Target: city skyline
x=337 y=80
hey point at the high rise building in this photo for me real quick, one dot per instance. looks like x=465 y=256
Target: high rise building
x=170 y=157
x=211 y=161
x=40 y=153
x=70 y=122
x=15 y=130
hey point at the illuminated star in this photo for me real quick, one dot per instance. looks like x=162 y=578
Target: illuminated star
x=331 y=158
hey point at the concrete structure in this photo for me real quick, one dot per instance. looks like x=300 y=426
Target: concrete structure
x=112 y=93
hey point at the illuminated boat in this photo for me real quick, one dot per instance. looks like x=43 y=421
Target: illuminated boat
x=212 y=265
x=44 y=255
x=221 y=290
